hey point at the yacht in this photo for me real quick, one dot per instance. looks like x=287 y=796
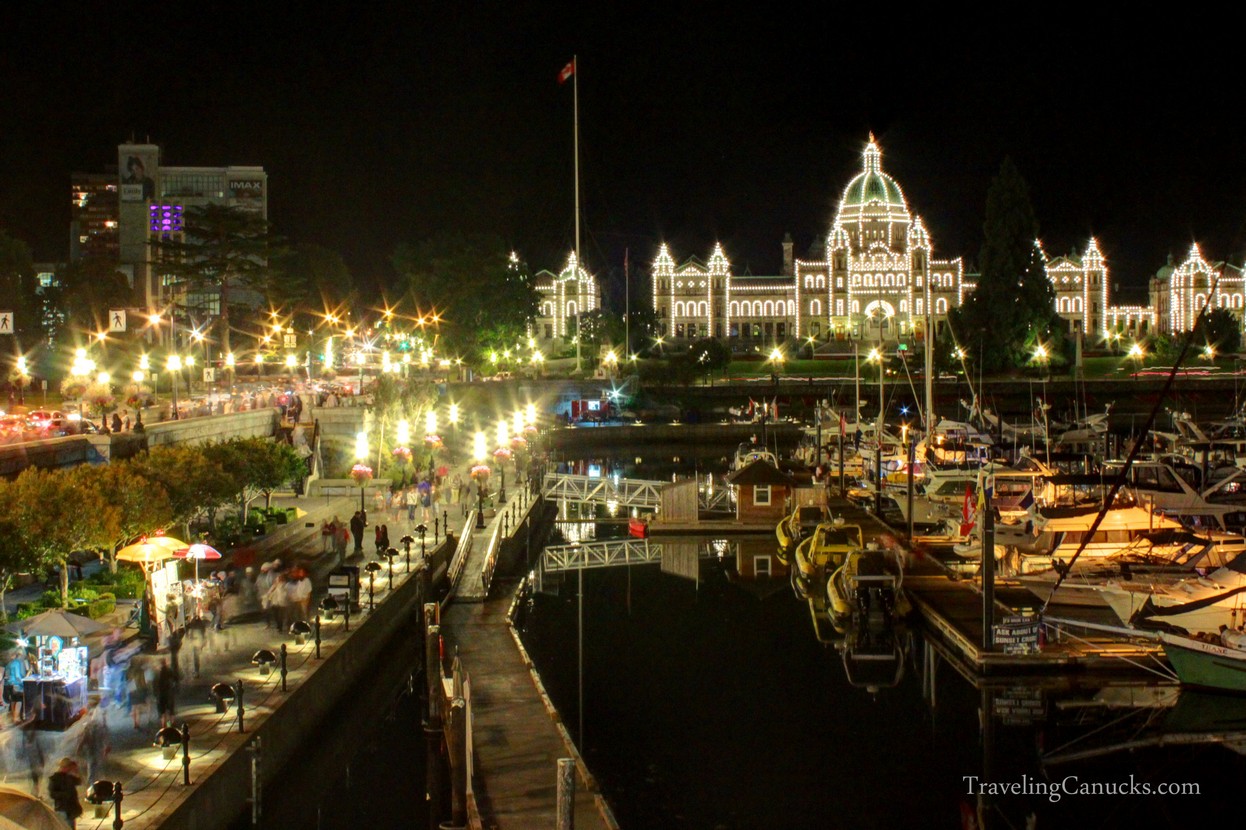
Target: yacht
x=1196 y=605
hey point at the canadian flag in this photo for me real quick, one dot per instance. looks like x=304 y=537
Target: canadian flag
x=966 y=512
x=567 y=72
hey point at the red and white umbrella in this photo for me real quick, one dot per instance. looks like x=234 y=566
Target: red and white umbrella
x=198 y=552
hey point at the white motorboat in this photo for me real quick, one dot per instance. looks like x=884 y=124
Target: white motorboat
x=1196 y=605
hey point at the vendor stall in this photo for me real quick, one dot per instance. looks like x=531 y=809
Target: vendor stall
x=55 y=692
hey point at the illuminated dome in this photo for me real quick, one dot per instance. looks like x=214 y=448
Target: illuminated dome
x=872 y=187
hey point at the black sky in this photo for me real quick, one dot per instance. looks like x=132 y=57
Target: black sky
x=699 y=122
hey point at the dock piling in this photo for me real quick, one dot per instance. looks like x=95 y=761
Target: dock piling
x=988 y=574
x=565 y=815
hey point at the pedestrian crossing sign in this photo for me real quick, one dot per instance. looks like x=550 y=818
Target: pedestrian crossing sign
x=116 y=319
x=6 y=322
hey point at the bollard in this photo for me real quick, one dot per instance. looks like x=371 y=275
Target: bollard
x=436 y=529
x=117 y=823
x=445 y=521
x=456 y=748
x=317 y=636
x=347 y=616
x=238 y=703
x=565 y=811
x=283 y=667
x=185 y=754
x=432 y=671
x=371 y=592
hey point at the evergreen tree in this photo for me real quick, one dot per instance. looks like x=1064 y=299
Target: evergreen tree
x=1012 y=305
x=20 y=292
x=222 y=249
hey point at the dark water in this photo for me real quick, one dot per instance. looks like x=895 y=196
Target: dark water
x=366 y=766
x=708 y=704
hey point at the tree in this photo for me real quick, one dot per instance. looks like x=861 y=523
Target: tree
x=194 y=483
x=1221 y=331
x=309 y=277
x=84 y=293
x=481 y=295
x=141 y=506
x=19 y=289
x=1014 y=299
x=255 y=466
x=16 y=556
x=222 y=248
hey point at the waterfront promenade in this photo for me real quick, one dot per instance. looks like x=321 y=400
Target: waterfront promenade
x=518 y=737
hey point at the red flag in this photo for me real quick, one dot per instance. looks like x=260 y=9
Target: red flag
x=966 y=512
x=843 y=425
x=567 y=72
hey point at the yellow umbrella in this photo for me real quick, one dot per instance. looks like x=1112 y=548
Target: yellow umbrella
x=145 y=553
x=169 y=542
x=22 y=811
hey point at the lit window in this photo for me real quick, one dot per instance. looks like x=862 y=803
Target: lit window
x=761 y=494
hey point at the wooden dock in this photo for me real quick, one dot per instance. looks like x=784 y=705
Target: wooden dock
x=950 y=608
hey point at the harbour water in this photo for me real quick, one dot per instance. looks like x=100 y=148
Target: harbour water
x=709 y=703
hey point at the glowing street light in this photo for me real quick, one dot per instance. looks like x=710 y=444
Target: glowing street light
x=454 y=414
x=430 y=422
x=480 y=450
x=517 y=422
x=404 y=432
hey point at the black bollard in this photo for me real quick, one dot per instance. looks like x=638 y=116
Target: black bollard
x=238 y=703
x=185 y=754
x=371 y=592
x=445 y=521
x=317 y=636
x=391 y=573
x=346 y=617
x=117 y=823
x=283 y=667
x=436 y=529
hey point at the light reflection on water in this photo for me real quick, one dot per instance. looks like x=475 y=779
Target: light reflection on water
x=708 y=702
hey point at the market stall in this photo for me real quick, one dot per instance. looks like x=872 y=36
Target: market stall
x=55 y=692
x=164 y=605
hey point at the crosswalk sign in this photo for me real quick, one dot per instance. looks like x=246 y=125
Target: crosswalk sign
x=116 y=319
x=6 y=322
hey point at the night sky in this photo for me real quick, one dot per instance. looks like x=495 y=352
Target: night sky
x=698 y=123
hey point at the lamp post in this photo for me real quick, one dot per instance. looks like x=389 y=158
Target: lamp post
x=503 y=441
x=174 y=366
x=876 y=356
x=361 y=455
x=479 y=451
x=1137 y=354
x=23 y=378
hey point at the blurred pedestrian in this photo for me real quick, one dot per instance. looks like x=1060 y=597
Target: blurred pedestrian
x=166 y=693
x=93 y=743
x=63 y=789
x=139 y=690
x=278 y=597
x=34 y=756
x=357 y=524
x=15 y=671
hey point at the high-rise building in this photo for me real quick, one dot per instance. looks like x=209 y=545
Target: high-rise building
x=93 y=216
x=153 y=200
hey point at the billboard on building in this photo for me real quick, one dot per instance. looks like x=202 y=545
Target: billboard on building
x=247 y=194
x=138 y=166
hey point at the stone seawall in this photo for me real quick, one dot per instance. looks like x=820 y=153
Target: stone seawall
x=221 y=794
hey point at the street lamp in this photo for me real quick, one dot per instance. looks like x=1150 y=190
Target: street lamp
x=480 y=453
x=361 y=455
x=454 y=416
x=1137 y=354
x=503 y=441
x=174 y=365
x=23 y=378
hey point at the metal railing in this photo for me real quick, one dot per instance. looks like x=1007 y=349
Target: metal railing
x=625 y=492
x=620 y=552
x=464 y=549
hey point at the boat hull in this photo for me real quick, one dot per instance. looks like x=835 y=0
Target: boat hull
x=1206 y=665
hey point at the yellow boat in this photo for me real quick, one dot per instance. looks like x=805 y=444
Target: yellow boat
x=864 y=591
x=793 y=529
x=823 y=551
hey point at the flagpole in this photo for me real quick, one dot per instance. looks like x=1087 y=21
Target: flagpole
x=627 y=309
x=579 y=308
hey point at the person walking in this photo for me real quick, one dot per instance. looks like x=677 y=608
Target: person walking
x=136 y=684
x=278 y=597
x=93 y=744
x=166 y=693
x=34 y=756
x=342 y=540
x=357 y=524
x=63 y=788
x=15 y=671
x=300 y=594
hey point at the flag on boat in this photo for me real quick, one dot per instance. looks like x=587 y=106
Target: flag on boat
x=567 y=72
x=774 y=410
x=966 y=512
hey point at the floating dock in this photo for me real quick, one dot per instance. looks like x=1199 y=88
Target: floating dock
x=950 y=608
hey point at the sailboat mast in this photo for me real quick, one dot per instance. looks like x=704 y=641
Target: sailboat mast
x=929 y=355
x=575 y=97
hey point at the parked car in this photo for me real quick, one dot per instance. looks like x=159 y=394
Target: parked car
x=40 y=418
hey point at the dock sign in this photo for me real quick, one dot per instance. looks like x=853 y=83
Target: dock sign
x=1018 y=634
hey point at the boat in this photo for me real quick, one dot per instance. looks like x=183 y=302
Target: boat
x=793 y=529
x=1212 y=662
x=1162 y=556
x=1196 y=605
x=638 y=527
x=1177 y=490
x=823 y=550
x=864 y=591
x=747 y=453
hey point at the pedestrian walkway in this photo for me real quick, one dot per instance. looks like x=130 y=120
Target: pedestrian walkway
x=152 y=784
